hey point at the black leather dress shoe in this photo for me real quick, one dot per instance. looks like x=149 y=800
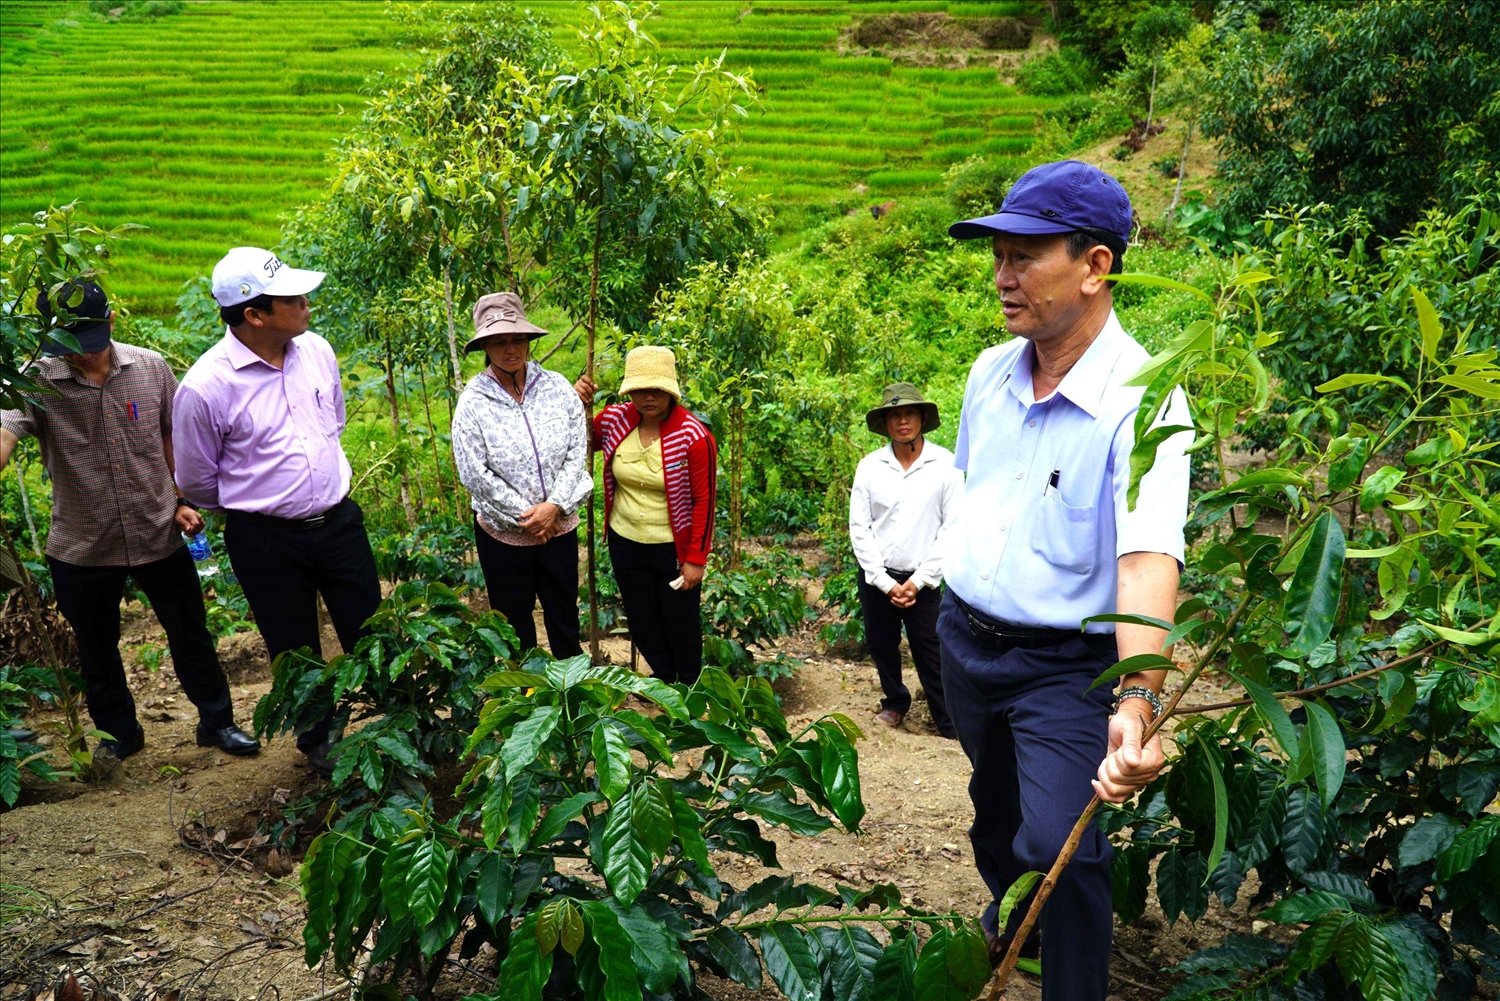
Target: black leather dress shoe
x=123 y=747
x=319 y=759
x=229 y=739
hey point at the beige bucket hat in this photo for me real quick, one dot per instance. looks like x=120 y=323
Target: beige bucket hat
x=651 y=367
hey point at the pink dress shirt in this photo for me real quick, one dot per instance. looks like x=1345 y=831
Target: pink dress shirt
x=250 y=437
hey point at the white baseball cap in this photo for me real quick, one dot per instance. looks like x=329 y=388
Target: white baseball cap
x=246 y=272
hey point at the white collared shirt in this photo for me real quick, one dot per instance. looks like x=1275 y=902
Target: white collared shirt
x=898 y=518
x=1037 y=553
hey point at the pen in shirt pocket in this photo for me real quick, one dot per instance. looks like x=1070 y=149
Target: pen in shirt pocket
x=1052 y=481
x=318 y=395
x=133 y=410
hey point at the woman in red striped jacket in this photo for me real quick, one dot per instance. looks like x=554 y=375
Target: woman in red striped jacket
x=660 y=485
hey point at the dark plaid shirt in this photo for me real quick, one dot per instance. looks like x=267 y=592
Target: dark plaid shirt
x=113 y=502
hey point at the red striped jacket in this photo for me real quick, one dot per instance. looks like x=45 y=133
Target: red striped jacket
x=690 y=459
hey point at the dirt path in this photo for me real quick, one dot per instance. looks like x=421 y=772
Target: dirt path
x=100 y=880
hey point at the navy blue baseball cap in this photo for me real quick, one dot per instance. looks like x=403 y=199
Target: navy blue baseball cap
x=1061 y=197
x=82 y=310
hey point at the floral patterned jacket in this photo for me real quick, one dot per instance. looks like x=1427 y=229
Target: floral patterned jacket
x=513 y=455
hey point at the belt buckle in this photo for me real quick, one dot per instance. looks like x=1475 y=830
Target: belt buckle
x=312 y=523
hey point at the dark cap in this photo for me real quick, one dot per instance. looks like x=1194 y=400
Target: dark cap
x=83 y=312
x=1063 y=197
x=902 y=394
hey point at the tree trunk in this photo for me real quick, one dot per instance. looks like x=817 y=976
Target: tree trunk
x=1150 y=103
x=458 y=369
x=73 y=741
x=1187 y=141
x=736 y=469
x=36 y=540
x=589 y=371
x=391 y=398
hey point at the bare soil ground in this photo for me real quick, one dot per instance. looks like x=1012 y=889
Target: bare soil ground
x=152 y=884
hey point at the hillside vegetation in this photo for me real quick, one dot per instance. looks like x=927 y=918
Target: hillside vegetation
x=210 y=124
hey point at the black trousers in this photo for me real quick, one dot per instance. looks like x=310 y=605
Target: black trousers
x=1035 y=735
x=666 y=625
x=517 y=577
x=284 y=566
x=89 y=598
x=883 y=624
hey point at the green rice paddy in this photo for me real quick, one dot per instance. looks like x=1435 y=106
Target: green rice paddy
x=210 y=125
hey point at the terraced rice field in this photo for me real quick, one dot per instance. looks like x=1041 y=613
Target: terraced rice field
x=209 y=125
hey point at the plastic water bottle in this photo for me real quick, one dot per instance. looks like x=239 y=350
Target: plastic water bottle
x=198 y=546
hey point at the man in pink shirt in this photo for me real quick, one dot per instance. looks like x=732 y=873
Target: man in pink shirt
x=256 y=425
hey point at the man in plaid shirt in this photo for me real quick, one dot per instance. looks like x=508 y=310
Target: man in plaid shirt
x=106 y=438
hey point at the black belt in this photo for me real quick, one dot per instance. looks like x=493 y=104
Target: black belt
x=314 y=523
x=996 y=632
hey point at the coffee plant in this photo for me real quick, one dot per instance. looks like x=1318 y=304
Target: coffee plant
x=412 y=682
x=1356 y=776
x=588 y=853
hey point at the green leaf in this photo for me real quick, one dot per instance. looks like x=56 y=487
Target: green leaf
x=1313 y=597
x=1305 y=907
x=893 y=974
x=621 y=979
x=1182 y=884
x=1133 y=665
x=1458 y=636
x=1275 y=717
x=1221 y=800
x=1303 y=830
x=946 y=953
x=427 y=879
x=526 y=968
x=513 y=679
x=690 y=832
x=735 y=956
x=1378 y=486
x=393 y=874
x=1428 y=323
x=612 y=764
x=777 y=809
x=656 y=950
x=849 y=956
x=840 y=774
x=322 y=873
x=651 y=815
x=1157 y=281
x=626 y=861
x=1368 y=958
x=1427 y=839
x=1344 y=471
x=492 y=891
x=520 y=749
x=1274 y=477
x=1394 y=579
x=791 y=962
x=1014 y=894
x=1468 y=847
x=1326 y=744
x=1358 y=379
x=560 y=816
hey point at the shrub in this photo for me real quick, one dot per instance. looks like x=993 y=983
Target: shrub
x=1057 y=74
x=412 y=682
x=585 y=852
x=751 y=607
x=977 y=185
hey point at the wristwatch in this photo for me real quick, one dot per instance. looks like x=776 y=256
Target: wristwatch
x=184 y=502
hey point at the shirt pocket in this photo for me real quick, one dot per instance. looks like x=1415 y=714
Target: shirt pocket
x=325 y=405
x=142 y=425
x=1065 y=536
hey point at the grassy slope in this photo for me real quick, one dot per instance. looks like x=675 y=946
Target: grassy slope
x=207 y=125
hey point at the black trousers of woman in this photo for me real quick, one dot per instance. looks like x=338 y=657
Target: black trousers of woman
x=517 y=577
x=666 y=625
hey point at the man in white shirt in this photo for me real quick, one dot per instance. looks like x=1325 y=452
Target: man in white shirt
x=903 y=497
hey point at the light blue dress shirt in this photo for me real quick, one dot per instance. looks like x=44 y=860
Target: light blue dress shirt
x=1043 y=515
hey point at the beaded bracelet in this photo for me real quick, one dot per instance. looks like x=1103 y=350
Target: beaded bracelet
x=1140 y=692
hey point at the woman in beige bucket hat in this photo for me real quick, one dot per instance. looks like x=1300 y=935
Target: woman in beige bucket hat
x=660 y=489
x=520 y=441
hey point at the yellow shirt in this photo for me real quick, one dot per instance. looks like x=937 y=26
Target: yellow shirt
x=640 y=507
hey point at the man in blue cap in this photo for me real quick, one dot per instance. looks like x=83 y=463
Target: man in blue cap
x=1045 y=435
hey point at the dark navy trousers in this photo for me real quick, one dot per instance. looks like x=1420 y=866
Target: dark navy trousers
x=1035 y=737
